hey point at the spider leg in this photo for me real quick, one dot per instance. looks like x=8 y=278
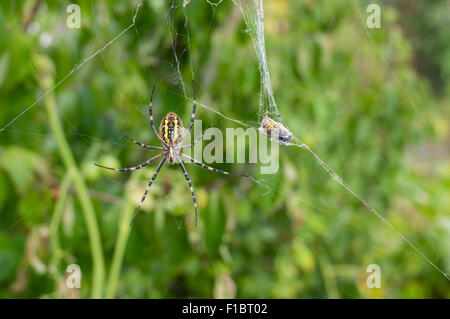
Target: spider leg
x=193 y=144
x=132 y=168
x=193 y=111
x=150 y=113
x=148 y=187
x=143 y=145
x=192 y=188
x=193 y=160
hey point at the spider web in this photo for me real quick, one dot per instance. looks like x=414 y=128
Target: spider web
x=172 y=69
x=253 y=14
x=254 y=18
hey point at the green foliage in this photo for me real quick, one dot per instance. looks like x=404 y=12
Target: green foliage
x=357 y=97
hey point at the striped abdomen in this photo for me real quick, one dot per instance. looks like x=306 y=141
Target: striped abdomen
x=171 y=128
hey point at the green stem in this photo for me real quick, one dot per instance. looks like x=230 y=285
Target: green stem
x=119 y=251
x=44 y=67
x=56 y=220
x=328 y=275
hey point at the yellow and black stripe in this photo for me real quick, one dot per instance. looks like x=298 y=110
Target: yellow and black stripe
x=171 y=129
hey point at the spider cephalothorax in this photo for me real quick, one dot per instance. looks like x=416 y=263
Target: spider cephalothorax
x=171 y=134
x=171 y=130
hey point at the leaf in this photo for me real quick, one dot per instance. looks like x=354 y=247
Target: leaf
x=11 y=250
x=4 y=59
x=3 y=190
x=21 y=164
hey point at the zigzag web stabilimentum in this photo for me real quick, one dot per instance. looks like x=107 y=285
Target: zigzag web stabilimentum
x=253 y=13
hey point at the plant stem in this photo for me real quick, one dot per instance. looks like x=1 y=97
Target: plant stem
x=45 y=68
x=56 y=220
x=328 y=275
x=124 y=231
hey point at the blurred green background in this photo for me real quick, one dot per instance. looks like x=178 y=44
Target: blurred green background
x=374 y=104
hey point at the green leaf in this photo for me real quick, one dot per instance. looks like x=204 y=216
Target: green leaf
x=11 y=250
x=4 y=59
x=21 y=164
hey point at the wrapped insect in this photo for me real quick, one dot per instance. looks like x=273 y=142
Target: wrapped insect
x=276 y=131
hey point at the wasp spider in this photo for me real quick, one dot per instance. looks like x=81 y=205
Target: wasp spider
x=171 y=134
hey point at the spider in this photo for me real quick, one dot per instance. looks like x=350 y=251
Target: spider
x=171 y=134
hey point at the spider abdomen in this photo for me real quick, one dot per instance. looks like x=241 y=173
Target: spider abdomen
x=171 y=129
